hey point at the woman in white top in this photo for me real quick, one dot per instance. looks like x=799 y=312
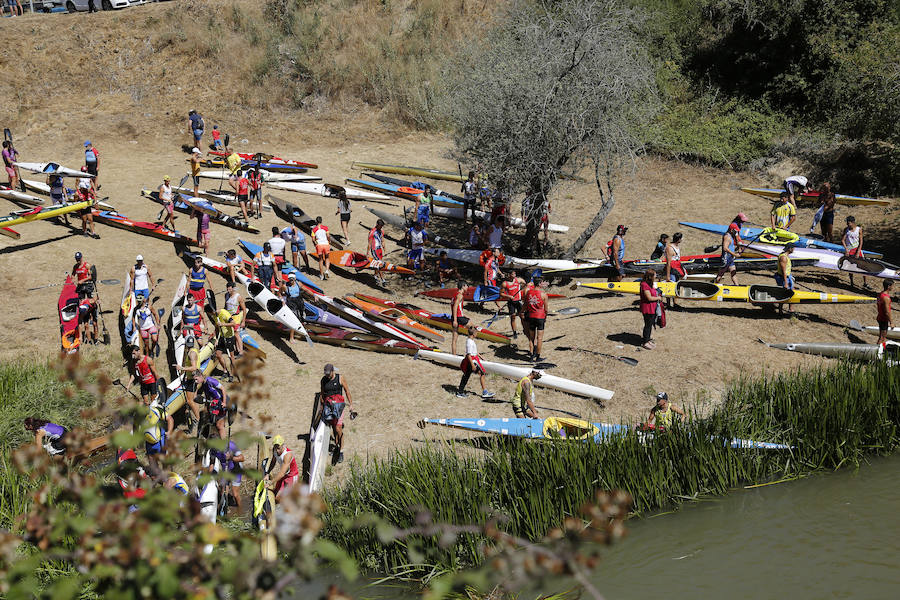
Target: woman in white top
x=165 y=196
x=852 y=241
x=140 y=278
x=495 y=234
x=148 y=326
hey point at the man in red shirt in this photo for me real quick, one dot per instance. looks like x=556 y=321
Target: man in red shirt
x=884 y=319
x=146 y=373
x=512 y=291
x=535 y=316
x=243 y=193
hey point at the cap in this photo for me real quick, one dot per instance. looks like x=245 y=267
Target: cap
x=329 y=368
x=734 y=227
x=292 y=276
x=139 y=257
x=166 y=178
x=87 y=143
x=662 y=396
x=621 y=229
x=195 y=150
x=78 y=256
x=215 y=126
x=278 y=440
x=189 y=342
x=741 y=217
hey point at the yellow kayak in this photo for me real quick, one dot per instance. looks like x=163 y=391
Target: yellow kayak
x=415 y=171
x=813 y=197
x=43 y=212
x=716 y=292
x=206 y=356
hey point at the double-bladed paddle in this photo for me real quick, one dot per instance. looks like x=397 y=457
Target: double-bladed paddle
x=625 y=359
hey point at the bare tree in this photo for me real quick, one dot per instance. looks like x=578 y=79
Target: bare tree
x=556 y=86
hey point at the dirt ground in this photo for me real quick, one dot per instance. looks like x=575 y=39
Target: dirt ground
x=704 y=347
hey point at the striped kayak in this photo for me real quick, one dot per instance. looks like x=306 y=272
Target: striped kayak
x=68 y=317
x=286 y=267
x=335 y=336
x=561 y=384
x=441 y=321
x=129 y=304
x=396 y=317
x=218 y=196
x=836 y=261
x=267 y=176
x=268 y=158
x=753 y=234
x=565 y=428
x=407 y=193
x=893 y=333
x=481 y=293
x=716 y=292
x=414 y=184
x=326 y=190
x=812 y=197
x=52 y=168
x=42 y=212
x=187 y=205
x=473 y=257
x=294 y=214
x=891 y=350
x=115 y=219
x=20 y=197
x=414 y=171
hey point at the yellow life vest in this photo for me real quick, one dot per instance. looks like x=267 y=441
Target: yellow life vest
x=222 y=317
x=519 y=400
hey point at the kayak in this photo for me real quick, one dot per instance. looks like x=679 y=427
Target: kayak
x=219 y=197
x=414 y=171
x=396 y=317
x=246 y=165
x=393 y=220
x=52 y=168
x=319 y=439
x=752 y=235
x=481 y=293
x=42 y=212
x=294 y=214
x=325 y=190
x=187 y=205
x=359 y=319
x=20 y=197
x=175 y=316
x=356 y=260
x=561 y=384
x=716 y=292
x=441 y=321
x=407 y=193
x=207 y=358
x=268 y=158
x=712 y=265
x=267 y=176
x=893 y=333
x=813 y=197
x=286 y=267
x=836 y=261
x=115 y=219
x=43 y=188
x=891 y=350
x=415 y=184
x=12 y=233
x=68 y=317
x=474 y=256
x=565 y=428
x=335 y=336
x=129 y=305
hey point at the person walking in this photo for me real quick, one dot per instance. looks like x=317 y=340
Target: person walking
x=335 y=396
x=470 y=193
x=457 y=318
x=287 y=473
x=783 y=277
x=92 y=162
x=242 y=187
x=196 y=163
x=535 y=311
x=343 y=209
x=83 y=272
x=649 y=303
x=418 y=239
x=616 y=252
x=729 y=253
x=783 y=213
x=143 y=370
x=278 y=244
x=166 y=197
x=512 y=291
x=147 y=325
x=85 y=193
x=471 y=362
x=215 y=398
x=234 y=304
x=825 y=215
x=852 y=241
x=190 y=365
x=197 y=281
x=523 y=398
x=375 y=249
x=203 y=233
x=196 y=124
x=140 y=277
x=323 y=247
x=884 y=318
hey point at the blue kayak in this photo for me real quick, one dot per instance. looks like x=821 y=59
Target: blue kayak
x=286 y=267
x=564 y=428
x=751 y=233
x=279 y=167
x=394 y=190
x=419 y=185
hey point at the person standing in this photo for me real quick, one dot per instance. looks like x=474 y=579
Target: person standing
x=226 y=331
x=144 y=371
x=852 y=240
x=375 y=248
x=424 y=206
x=278 y=244
x=232 y=460
x=335 y=395
x=825 y=211
x=147 y=324
x=297 y=240
x=418 y=238
x=287 y=473
x=783 y=213
x=87 y=320
x=140 y=276
x=673 y=270
x=83 y=272
x=457 y=318
x=265 y=265
x=10 y=158
x=783 y=277
x=234 y=304
x=197 y=281
x=255 y=179
x=492 y=268
x=660 y=250
x=196 y=161
x=729 y=253
x=215 y=398
x=523 y=399
x=323 y=247
x=197 y=126
x=663 y=414
x=512 y=292
x=794 y=186
x=58 y=194
x=203 y=234
x=343 y=209
x=191 y=364
x=243 y=193
x=85 y=193
x=471 y=362
x=495 y=233
x=191 y=319
x=166 y=197
x=470 y=193
x=217 y=138
x=294 y=299
x=92 y=162
x=535 y=310
x=616 y=252
x=648 y=304
x=233 y=164
x=885 y=321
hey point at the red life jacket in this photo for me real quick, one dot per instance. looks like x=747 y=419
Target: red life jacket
x=143 y=369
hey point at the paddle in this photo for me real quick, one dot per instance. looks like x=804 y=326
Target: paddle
x=565 y=412
x=856 y=325
x=119 y=383
x=103 y=281
x=106 y=337
x=625 y=359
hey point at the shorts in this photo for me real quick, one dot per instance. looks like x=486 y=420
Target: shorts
x=156 y=448
x=146 y=333
x=323 y=249
x=345 y=217
x=415 y=254
x=299 y=246
x=535 y=324
x=11 y=171
x=621 y=270
x=170 y=209
x=192 y=330
x=188 y=384
x=141 y=294
x=514 y=306
x=198 y=133
x=226 y=344
x=148 y=389
x=92 y=168
x=218 y=415
x=85 y=290
x=378 y=253
x=287 y=481
x=519 y=411
x=196 y=180
x=266 y=273
x=243 y=198
x=333 y=413
x=57 y=198
x=236 y=482
x=218 y=144
x=199 y=296
x=791 y=187
x=470 y=364
x=728 y=261
x=827 y=217
x=256 y=194
x=204 y=238
x=462 y=321
x=854 y=252
x=883 y=326
x=779 y=280
x=87 y=316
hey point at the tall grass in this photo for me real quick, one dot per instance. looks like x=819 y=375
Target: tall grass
x=831 y=418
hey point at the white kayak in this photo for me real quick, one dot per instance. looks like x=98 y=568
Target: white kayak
x=176 y=315
x=472 y=256
x=845 y=350
x=51 y=168
x=576 y=388
x=129 y=305
x=319 y=437
x=267 y=176
x=893 y=333
x=20 y=197
x=322 y=189
x=830 y=259
x=223 y=197
x=455 y=212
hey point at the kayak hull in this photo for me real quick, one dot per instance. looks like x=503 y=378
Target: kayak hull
x=814 y=198
x=714 y=292
x=321 y=189
x=155 y=230
x=414 y=171
x=68 y=317
x=857 y=351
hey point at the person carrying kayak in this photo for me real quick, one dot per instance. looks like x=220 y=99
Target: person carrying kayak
x=143 y=370
x=140 y=277
x=662 y=414
x=234 y=304
x=148 y=326
x=729 y=253
x=323 y=247
x=227 y=330
x=215 y=398
x=794 y=186
x=615 y=251
x=85 y=193
x=471 y=362
x=10 y=158
x=445 y=269
x=649 y=303
x=231 y=459
x=92 y=162
x=783 y=213
x=783 y=276
x=673 y=271
x=660 y=249
x=523 y=398
x=343 y=209
x=83 y=272
x=335 y=395
x=87 y=320
x=197 y=281
x=852 y=241
x=512 y=291
x=256 y=182
x=190 y=365
x=375 y=248
x=196 y=163
x=287 y=473
x=191 y=318
x=195 y=122
x=884 y=319
x=417 y=238
x=49 y=435
x=265 y=264
x=535 y=311
x=457 y=317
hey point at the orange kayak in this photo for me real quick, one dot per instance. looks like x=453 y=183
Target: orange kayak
x=395 y=316
x=356 y=260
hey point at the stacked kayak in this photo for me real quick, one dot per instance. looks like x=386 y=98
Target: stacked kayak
x=715 y=292
x=326 y=190
x=187 y=205
x=481 y=293
x=348 y=312
x=52 y=168
x=561 y=384
x=268 y=158
x=295 y=215
x=836 y=261
x=68 y=317
x=267 y=176
x=396 y=317
x=343 y=338
x=814 y=197
x=120 y=221
x=286 y=268
x=407 y=193
x=890 y=350
x=474 y=256
x=414 y=171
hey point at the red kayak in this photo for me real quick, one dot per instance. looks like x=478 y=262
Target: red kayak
x=336 y=336
x=268 y=158
x=68 y=317
x=480 y=293
x=156 y=230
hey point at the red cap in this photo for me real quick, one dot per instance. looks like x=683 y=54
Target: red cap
x=742 y=217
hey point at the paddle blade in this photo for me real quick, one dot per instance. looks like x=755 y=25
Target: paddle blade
x=629 y=361
x=854 y=324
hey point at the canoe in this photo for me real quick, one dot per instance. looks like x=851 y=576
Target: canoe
x=357 y=260
x=68 y=317
x=712 y=265
x=217 y=196
x=20 y=197
x=120 y=221
x=336 y=336
x=481 y=293
x=324 y=190
x=130 y=333
x=565 y=428
x=836 y=261
x=752 y=235
x=812 y=197
x=187 y=205
x=414 y=171
x=40 y=212
x=285 y=267
x=715 y=292
x=273 y=167
x=268 y=158
x=267 y=176
x=207 y=356
x=319 y=440
x=175 y=316
x=561 y=384
x=51 y=168
x=395 y=317
x=294 y=214
x=891 y=350
x=441 y=321
x=359 y=319
x=473 y=257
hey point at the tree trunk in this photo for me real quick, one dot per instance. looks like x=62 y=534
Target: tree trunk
x=607 y=201
x=534 y=200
